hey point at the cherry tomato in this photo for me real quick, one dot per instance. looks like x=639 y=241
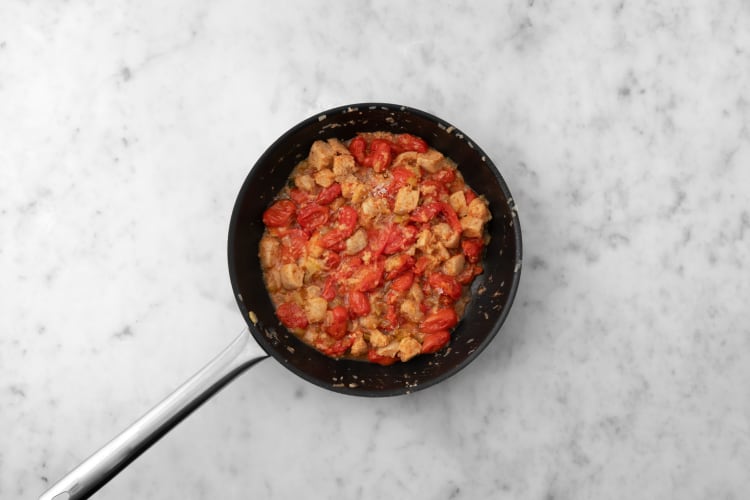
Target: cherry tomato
x=293 y=245
x=279 y=214
x=298 y=196
x=368 y=278
x=359 y=305
x=291 y=315
x=469 y=195
x=426 y=212
x=374 y=357
x=312 y=216
x=403 y=282
x=336 y=320
x=445 y=175
x=332 y=238
x=380 y=156
x=435 y=341
x=445 y=285
x=451 y=217
x=408 y=142
x=347 y=219
x=357 y=148
x=399 y=177
x=421 y=265
x=339 y=347
x=329 y=289
x=404 y=263
x=377 y=239
x=329 y=194
x=472 y=249
x=332 y=259
x=400 y=238
x=442 y=319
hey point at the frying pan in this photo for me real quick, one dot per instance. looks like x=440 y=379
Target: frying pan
x=492 y=292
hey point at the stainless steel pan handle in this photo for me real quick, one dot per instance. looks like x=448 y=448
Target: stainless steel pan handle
x=99 y=468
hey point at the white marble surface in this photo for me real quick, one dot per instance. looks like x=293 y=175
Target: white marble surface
x=126 y=129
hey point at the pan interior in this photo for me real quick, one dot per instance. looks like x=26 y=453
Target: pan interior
x=492 y=292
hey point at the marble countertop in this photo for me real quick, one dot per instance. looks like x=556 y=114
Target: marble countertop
x=126 y=130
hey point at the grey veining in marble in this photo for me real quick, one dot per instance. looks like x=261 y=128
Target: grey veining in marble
x=127 y=128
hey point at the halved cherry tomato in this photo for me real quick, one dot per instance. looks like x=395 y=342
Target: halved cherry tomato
x=403 y=282
x=435 y=341
x=293 y=245
x=329 y=194
x=336 y=320
x=426 y=212
x=368 y=278
x=332 y=238
x=312 y=216
x=451 y=216
x=377 y=239
x=359 y=305
x=380 y=156
x=442 y=319
x=329 y=289
x=358 y=148
x=291 y=315
x=403 y=263
x=400 y=238
x=445 y=285
x=374 y=357
x=339 y=347
x=298 y=196
x=347 y=219
x=445 y=175
x=408 y=142
x=400 y=177
x=279 y=214
x=332 y=259
x=421 y=265
x=472 y=249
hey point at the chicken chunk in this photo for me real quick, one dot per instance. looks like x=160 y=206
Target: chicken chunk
x=291 y=276
x=411 y=311
x=338 y=147
x=325 y=177
x=359 y=346
x=357 y=242
x=321 y=155
x=378 y=338
x=472 y=226
x=431 y=161
x=343 y=165
x=454 y=265
x=304 y=182
x=269 y=251
x=408 y=347
x=478 y=209
x=407 y=200
x=315 y=309
x=446 y=235
x=458 y=203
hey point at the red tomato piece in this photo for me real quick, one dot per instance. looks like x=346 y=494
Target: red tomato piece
x=332 y=260
x=469 y=195
x=312 y=216
x=403 y=282
x=381 y=155
x=408 y=142
x=358 y=148
x=374 y=357
x=421 y=265
x=377 y=239
x=293 y=245
x=329 y=289
x=291 y=315
x=339 y=347
x=336 y=321
x=359 y=305
x=426 y=212
x=391 y=316
x=404 y=263
x=445 y=175
x=451 y=217
x=347 y=219
x=400 y=177
x=445 y=285
x=298 y=196
x=442 y=319
x=329 y=194
x=332 y=238
x=472 y=249
x=279 y=214
x=368 y=278
x=435 y=341
x=400 y=238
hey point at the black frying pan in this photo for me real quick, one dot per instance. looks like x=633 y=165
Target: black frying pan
x=492 y=292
